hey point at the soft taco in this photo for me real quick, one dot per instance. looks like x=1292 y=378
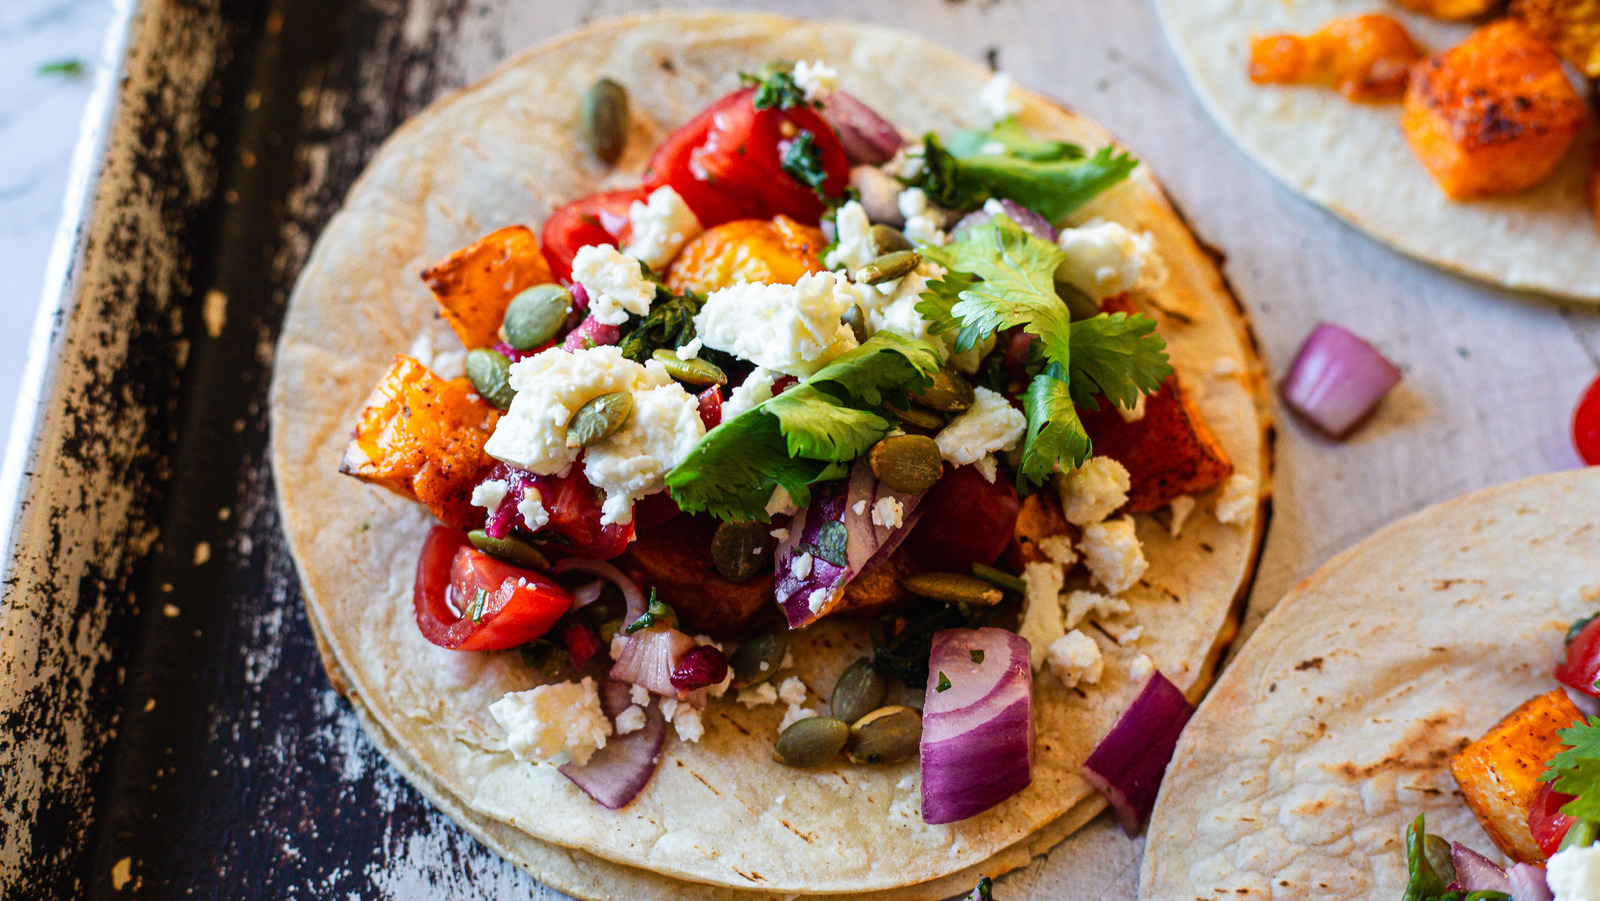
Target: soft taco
x=1353 y=158
x=554 y=735
x=1381 y=689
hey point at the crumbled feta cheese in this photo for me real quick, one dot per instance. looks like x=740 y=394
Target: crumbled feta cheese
x=1103 y=258
x=781 y=504
x=1140 y=668
x=1041 y=609
x=692 y=349
x=639 y=695
x=794 y=714
x=756 y=388
x=888 y=513
x=488 y=494
x=1094 y=490
x=634 y=461
x=1573 y=874
x=631 y=720
x=1226 y=366
x=998 y=100
x=1182 y=506
x=619 y=642
x=1083 y=605
x=531 y=509
x=990 y=424
x=1112 y=553
x=853 y=247
x=892 y=306
x=721 y=688
x=800 y=566
x=1135 y=414
x=686 y=722
x=669 y=707
x=1059 y=549
x=780 y=534
x=615 y=283
x=817 y=599
x=1075 y=658
x=795 y=329
x=550 y=386
x=816 y=78
x=988 y=467
x=554 y=723
x=662 y=224
x=792 y=691
x=1238 y=500
x=758 y=695
x=920 y=226
x=1124 y=634
x=859 y=507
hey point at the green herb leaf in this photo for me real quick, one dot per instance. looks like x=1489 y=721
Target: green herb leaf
x=669 y=326
x=831 y=543
x=1576 y=770
x=944 y=682
x=1052 y=187
x=1009 y=137
x=778 y=90
x=1426 y=883
x=478 y=600
x=69 y=67
x=1117 y=356
x=658 y=613
x=1055 y=433
x=802 y=159
x=983 y=891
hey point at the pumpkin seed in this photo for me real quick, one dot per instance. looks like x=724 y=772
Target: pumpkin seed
x=739 y=550
x=952 y=588
x=949 y=393
x=887 y=239
x=859 y=691
x=605 y=119
x=489 y=372
x=919 y=418
x=889 y=266
x=908 y=463
x=886 y=735
x=697 y=372
x=757 y=658
x=812 y=741
x=858 y=327
x=534 y=316
x=511 y=550
x=599 y=419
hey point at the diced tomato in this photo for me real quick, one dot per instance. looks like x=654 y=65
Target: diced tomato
x=1586 y=425
x=588 y=221
x=652 y=511
x=726 y=163
x=581 y=641
x=467 y=600
x=711 y=407
x=1580 y=665
x=965 y=520
x=574 y=508
x=1546 y=821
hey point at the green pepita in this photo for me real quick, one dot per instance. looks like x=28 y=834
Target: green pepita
x=605 y=119
x=740 y=550
x=952 y=588
x=812 y=741
x=510 y=550
x=858 y=326
x=599 y=419
x=490 y=372
x=915 y=417
x=886 y=735
x=908 y=463
x=888 y=239
x=889 y=266
x=534 y=316
x=859 y=691
x=696 y=372
x=949 y=393
x=758 y=657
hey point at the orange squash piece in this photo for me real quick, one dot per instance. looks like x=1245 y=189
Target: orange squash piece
x=1169 y=451
x=1570 y=26
x=776 y=251
x=474 y=285
x=1453 y=10
x=1366 y=57
x=422 y=437
x=1493 y=115
x=1039 y=517
x=1499 y=773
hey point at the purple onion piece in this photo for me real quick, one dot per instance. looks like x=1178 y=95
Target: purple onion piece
x=590 y=333
x=631 y=592
x=1127 y=765
x=1528 y=883
x=1337 y=379
x=1476 y=873
x=617 y=772
x=650 y=657
x=1031 y=222
x=867 y=137
x=977 y=733
x=702 y=666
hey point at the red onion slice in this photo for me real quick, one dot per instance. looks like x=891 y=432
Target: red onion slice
x=1127 y=765
x=1528 y=883
x=1476 y=873
x=629 y=588
x=590 y=333
x=649 y=658
x=867 y=137
x=977 y=734
x=616 y=773
x=1337 y=379
x=1031 y=222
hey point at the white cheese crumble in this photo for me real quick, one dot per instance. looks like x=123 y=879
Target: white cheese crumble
x=639 y=695
x=998 y=100
x=888 y=513
x=1041 y=609
x=631 y=720
x=792 y=691
x=988 y=467
x=859 y=507
x=1112 y=553
x=615 y=283
x=692 y=349
x=1094 y=490
x=781 y=504
x=920 y=226
x=853 y=247
x=1059 y=549
x=1135 y=414
x=800 y=566
x=756 y=388
x=1182 y=506
x=1574 y=874
x=817 y=599
x=781 y=535
x=634 y=461
x=990 y=424
x=794 y=714
x=488 y=494
x=816 y=78
x=1083 y=605
x=758 y=695
x=619 y=643
x=1103 y=258
x=531 y=509
x=554 y=723
x=686 y=722
x=1123 y=633
x=662 y=224
x=1075 y=658
x=1140 y=668
x=1238 y=500
x=721 y=688
x=794 y=329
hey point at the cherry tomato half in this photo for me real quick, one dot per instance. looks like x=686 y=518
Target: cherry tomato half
x=574 y=508
x=965 y=520
x=1546 y=821
x=1580 y=663
x=1586 y=425
x=467 y=600
x=596 y=219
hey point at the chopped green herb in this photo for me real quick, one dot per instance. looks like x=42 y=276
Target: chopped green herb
x=802 y=159
x=69 y=67
x=999 y=578
x=657 y=613
x=1426 y=884
x=1576 y=627
x=944 y=682
x=830 y=544
x=778 y=90
x=1576 y=770
x=1053 y=186
x=977 y=656
x=983 y=891
x=478 y=600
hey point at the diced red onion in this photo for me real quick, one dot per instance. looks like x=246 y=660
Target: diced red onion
x=702 y=666
x=1336 y=379
x=710 y=404
x=581 y=641
x=1031 y=222
x=587 y=594
x=1476 y=873
x=580 y=297
x=1127 y=765
x=517 y=356
x=616 y=773
x=977 y=734
x=629 y=588
x=867 y=137
x=1528 y=883
x=591 y=333
x=649 y=658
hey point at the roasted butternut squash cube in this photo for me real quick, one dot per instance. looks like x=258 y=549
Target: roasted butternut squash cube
x=1570 y=26
x=1168 y=451
x=775 y=251
x=422 y=437
x=1499 y=773
x=1453 y=10
x=1039 y=517
x=474 y=285
x=1494 y=114
x=1365 y=57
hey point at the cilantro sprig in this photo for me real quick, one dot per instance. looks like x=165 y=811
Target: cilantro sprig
x=776 y=89
x=807 y=434
x=802 y=159
x=1049 y=177
x=1576 y=771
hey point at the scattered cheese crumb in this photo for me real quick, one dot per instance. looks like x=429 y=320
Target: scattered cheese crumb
x=997 y=99
x=1112 y=553
x=1135 y=414
x=669 y=707
x=792 y=691
x=721 y=688
x=615 y=284
x=639 y=695
x=1182 y=506
x=631 y=720
x=800 y=567
x=488 y=494
x=1041 y=609
x=531 y=509
x=781 y=504
x=1124 y=634
x=859 y=507
x=1141 y=667
x=816 y=78
x=990 y=424
x=1059 y=549
x=687 y=724
x=662 y=224
x=888 y=513
x=553 y=723
x=1075 y=658
x=794 y=714
x=1094 y=490
x=619 y=641
x=758 y=695
x=692 y=349
x=1238 y=500
x=1083 y=605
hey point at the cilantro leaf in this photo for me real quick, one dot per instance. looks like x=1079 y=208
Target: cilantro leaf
x=1426 y=883
x=1576 y=770
x=779 y=90
x=1016 y=286
x=802 y=159
x=1009 y=137
x=732 y=472
x=880 y=371
x=817 y=427
x=1117 y=356
x=1053 y=187
x=1054 y=430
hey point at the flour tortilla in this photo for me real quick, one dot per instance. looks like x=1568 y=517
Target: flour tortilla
x=719 y=812
x=1353 y=159
x=1334 y=726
